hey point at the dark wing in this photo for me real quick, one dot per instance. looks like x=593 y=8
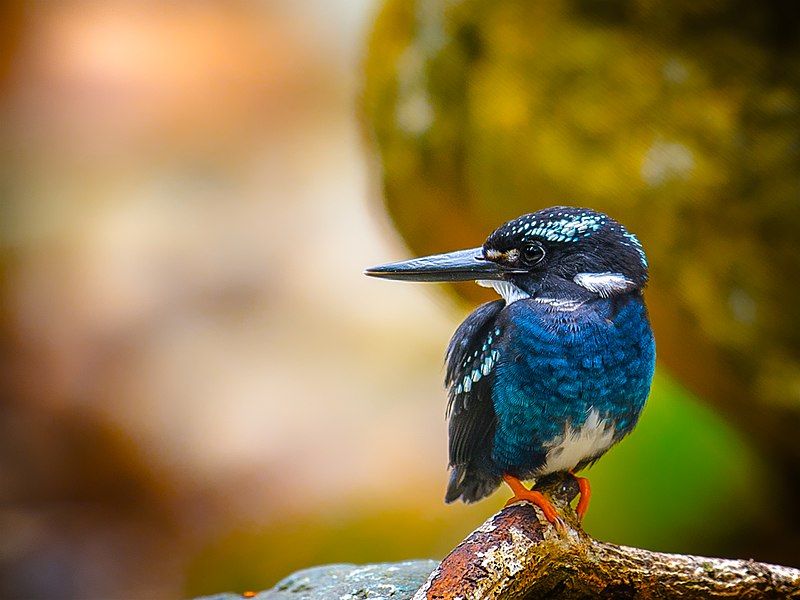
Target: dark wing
x=471 y=357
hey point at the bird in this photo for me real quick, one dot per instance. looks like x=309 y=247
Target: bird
x=551 y=375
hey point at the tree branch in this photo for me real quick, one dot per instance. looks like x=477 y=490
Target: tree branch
x=518 y=554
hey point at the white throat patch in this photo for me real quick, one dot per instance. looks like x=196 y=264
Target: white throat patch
x=509 y=291
x=562 y=304
x=605 y=284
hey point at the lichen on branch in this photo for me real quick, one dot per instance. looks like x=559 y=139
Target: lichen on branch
x=517 y=553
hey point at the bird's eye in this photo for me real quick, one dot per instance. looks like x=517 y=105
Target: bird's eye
x=532 y=254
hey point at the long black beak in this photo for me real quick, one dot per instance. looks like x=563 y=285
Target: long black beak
x=463 y=265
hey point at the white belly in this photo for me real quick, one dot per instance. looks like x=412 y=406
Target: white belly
x=593 y=438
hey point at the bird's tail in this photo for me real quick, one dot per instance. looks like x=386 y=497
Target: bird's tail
x=470 y=483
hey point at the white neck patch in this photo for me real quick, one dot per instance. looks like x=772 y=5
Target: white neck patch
x=605 y=284
x=509 y=291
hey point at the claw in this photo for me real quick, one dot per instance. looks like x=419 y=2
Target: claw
x=586 y=494
x=521 y=493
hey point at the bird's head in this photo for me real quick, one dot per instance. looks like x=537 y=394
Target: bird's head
x=562 y=251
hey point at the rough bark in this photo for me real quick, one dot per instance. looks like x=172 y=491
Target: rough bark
x=518 y=554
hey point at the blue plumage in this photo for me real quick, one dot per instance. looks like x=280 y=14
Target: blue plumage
x=555 y=367
x=549 y=377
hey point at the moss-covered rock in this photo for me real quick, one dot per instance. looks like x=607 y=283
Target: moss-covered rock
x=390 y=581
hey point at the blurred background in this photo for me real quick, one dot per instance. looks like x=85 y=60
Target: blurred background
x=201 y=392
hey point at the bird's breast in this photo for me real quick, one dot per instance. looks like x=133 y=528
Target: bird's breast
x=568 y=384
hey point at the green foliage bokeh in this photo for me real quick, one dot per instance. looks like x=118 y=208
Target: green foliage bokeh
x=681 y=119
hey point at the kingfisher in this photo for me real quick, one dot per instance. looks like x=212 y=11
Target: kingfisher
x=556 y=371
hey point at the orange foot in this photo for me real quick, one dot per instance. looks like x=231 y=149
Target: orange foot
x=586 y=494
x=522 y=493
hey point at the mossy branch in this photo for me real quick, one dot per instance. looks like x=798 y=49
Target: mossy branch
x=518 y=554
